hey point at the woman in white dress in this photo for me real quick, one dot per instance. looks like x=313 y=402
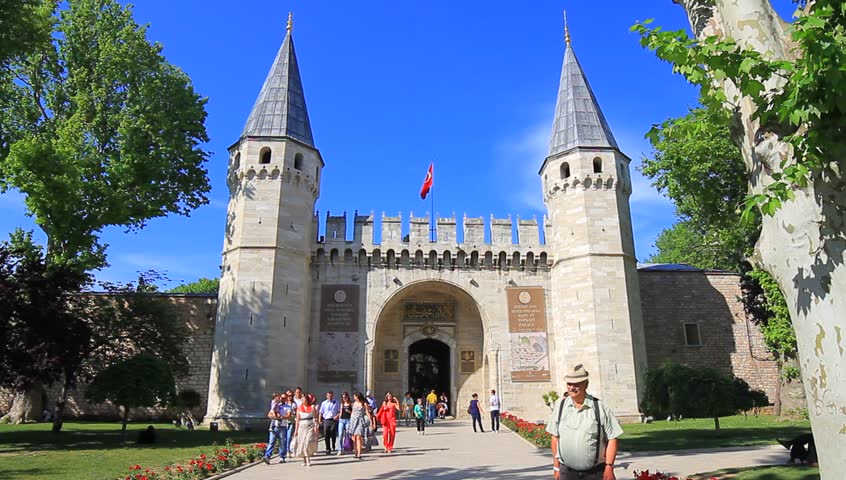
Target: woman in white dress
x=306 y=430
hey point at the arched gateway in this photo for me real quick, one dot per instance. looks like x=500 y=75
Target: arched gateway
x=429 y=335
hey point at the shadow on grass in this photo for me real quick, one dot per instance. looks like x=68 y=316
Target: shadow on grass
x=790 y=472
x=678 y=439
x=33 y=441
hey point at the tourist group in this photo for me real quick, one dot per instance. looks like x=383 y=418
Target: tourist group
x=350 y=424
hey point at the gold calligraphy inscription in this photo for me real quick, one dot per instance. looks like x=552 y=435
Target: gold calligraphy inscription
x=430 y=311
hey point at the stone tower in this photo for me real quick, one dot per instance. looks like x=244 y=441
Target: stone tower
x=594 y=291
x=263 y=320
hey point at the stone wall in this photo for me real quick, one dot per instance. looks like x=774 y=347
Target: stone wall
x=199 y=311
x=712 y=301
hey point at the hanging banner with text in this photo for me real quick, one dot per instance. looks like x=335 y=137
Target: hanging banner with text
x=527 y=329
x=336 y=362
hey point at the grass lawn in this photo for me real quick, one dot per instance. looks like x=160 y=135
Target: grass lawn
x=93 y=451
x=791 y=472
x=734 y=431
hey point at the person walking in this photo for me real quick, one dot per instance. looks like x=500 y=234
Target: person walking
x=420 y=417
x=306 y=430
x=330 y=410
x=431 y=406
x=584 y=433
x=359 y=423
x=388 y=418
x=299 y=398
x=475 y=411
x=292 y=407
x=494 y=404
x=278 y=414
x=407 y=408
x=344 y=420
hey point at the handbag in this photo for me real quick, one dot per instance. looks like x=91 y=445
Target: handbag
x=346 y=444
x=293 y=446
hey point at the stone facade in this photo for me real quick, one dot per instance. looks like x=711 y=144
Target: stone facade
x=708 y=302
x=198 y=312
x=414 y=305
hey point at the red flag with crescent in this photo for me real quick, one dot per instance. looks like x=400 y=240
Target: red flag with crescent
x=427 y=183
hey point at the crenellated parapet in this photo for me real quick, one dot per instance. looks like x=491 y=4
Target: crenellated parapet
x=416 y=243
x=271 y=173
x=553 y=188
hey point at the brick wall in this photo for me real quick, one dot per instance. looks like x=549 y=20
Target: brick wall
x=712 y=300
x=199 y=313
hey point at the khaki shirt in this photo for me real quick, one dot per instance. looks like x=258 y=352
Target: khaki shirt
x=576 y=432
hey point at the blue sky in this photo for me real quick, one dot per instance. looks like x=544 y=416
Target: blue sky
x=393 y=86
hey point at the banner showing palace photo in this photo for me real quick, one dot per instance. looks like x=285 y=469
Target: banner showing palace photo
x=338 y=334
x=527 y=329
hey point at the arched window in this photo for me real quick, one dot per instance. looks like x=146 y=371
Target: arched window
x=236 y=164
x=298 y=161
x=264 y=156
x=597 y=165
x=565 y=170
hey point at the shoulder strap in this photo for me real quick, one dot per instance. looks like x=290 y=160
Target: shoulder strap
x=599 y=432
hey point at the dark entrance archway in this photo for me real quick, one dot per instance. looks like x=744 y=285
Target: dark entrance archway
x=429 y=368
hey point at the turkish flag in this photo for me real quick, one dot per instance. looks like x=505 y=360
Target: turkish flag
x=427 y=183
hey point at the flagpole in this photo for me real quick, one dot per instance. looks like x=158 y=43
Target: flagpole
x=434 y=218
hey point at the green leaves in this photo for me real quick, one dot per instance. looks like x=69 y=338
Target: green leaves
x=102 y=131
x=141 y=381
x=800 y=100
x=697 y=392
x=779 y=335
x=695 y=163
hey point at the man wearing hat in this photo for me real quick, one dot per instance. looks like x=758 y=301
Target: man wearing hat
x=584 y=433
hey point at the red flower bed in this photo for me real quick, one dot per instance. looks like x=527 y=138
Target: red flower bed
x=531 y=431
x=647 y=475
x=221 y=460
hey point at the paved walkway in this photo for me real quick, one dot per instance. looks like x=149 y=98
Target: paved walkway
x=450 y=450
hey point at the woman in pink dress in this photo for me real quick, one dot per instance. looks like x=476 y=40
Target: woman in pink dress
x=388 y=418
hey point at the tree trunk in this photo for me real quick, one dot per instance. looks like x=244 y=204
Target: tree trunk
x=124 y=421
x=26 y=407
x=779 y=380
x=60 y=408
x=802 y=246
x=717 y=424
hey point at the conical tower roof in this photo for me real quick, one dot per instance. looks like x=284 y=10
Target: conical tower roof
x=579 y=122
x=280 y=109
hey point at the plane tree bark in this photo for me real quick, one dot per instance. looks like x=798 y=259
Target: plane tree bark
x=794 y=155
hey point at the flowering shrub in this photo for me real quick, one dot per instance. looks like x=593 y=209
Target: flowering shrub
x=531 y=431
x=203 y=466
x=647 y=475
